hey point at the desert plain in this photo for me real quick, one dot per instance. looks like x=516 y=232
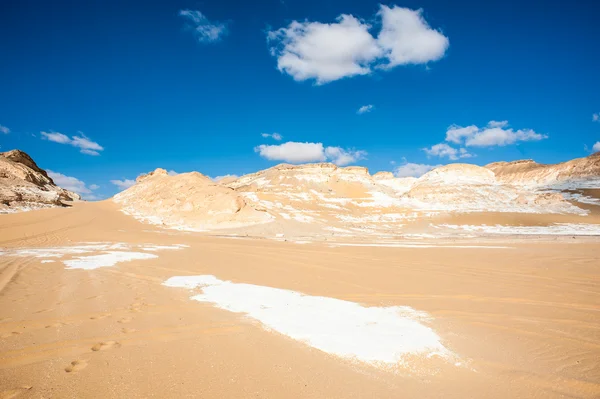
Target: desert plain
x=520 y=316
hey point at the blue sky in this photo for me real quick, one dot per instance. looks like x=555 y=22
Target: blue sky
x=120 y=88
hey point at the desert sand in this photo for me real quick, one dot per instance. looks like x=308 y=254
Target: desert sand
x=516 y=316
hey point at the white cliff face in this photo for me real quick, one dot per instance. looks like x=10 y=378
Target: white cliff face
x=317 y=199
x=24 y=186
x=574 y=174
x=188 y=201
x=471 y=188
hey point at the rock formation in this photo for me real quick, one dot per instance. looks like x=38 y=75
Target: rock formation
x=576 y=173
x=188 y=200
x=25 y=186
x=311 y=198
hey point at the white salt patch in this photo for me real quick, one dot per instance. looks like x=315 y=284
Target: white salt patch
x=380 y=200
x=415 y=245
x=380 y=336
x=154 y=248
x=47 y=261
x=285 y=216
x=105 y=260
x=303 y=218
x=566 y=229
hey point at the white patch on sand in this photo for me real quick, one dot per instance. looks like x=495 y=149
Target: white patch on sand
x=560 y=229
x=415 y=245
x=106 y=254
x=377 y=335
x=105 y=260
x=154 y=248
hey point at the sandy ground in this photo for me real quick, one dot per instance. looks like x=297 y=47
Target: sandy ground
x=525 y=320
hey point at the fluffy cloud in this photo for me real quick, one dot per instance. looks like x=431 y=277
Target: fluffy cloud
x=444 y=150
x=596 y=147
x=73 y=184
x=596 y=117
x=4 y=129
x=456 y=134
x=85 y=145
x=407 y=38
x=327 y=52
x=204 y=30
x=274 y=136
x=364 y=109
x=294 y=152
x=494 y=134
x=342 y=157
x=123 y=184
x=413 y=169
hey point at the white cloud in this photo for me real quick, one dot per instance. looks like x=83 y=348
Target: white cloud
x=73 y=184
x=456 y=134
x=444 y=150
x=364 y=109
x=596 y=117
x=498 y=123
x=85 y=145
x=596 y=147
x=204 y=30
x=123 y=184
x=327 y=52
x=342 y=157
x=294 y=152
x=274 y=136
x=407 y=38
x=494 y=134
x=56 y=137
x=324 y=52
x=4 y=129
x=219 y=178
x=413 y=169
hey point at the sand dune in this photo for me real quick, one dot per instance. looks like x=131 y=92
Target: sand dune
x=515 y=318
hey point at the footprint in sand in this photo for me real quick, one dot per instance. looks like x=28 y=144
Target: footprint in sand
x=124 y=320
x=76 y=365
x=13 y=393
x=10 y=334
x=100 y=316
x=128 y=330
x=57 y=324
x=136 y=307
x=102 y=346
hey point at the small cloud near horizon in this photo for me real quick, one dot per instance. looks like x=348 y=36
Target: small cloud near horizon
x=4 y=129
x=81 y=141
x=295 y=152
x=219 y=178
x=74 y=184
x=410 y=169
x=123 y=184
x=274 y=136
